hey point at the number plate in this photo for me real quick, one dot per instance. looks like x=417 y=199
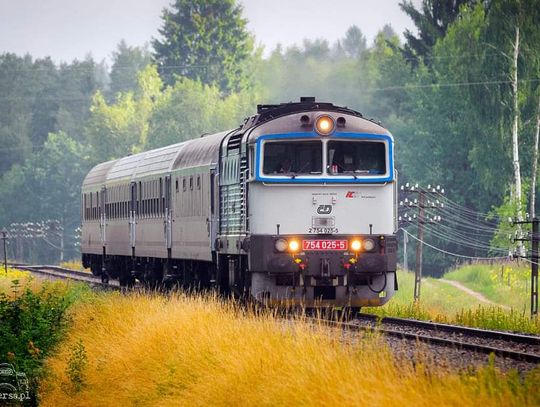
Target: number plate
x=324 y=244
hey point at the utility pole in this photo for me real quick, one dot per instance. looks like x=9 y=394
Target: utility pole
x=534 y=238
x=405 y=260
x=421 y=203
x=419 y=246
x=534 y=268
x=4 y=238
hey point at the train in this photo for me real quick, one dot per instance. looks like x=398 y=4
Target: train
x=297 y=206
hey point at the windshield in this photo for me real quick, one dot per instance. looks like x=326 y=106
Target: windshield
x=356 y=157
x=292 y=157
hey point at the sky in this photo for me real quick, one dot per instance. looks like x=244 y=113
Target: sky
x=69 y=29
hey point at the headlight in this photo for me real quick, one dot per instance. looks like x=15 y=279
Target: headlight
x=324 y=125
x=281 y=245
x=356 y=245
x=294 y=245
x=369 y=245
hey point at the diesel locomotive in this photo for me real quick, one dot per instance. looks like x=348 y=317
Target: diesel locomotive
x=296 y=206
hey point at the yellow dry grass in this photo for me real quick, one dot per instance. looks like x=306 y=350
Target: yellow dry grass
x=162 y=351
x=22 y=279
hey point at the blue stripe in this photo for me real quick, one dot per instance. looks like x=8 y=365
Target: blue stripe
x=311 y=180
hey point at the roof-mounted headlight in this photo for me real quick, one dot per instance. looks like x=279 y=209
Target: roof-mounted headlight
x=324 y=125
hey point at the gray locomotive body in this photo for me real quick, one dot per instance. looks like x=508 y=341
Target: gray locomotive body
x=297 y=206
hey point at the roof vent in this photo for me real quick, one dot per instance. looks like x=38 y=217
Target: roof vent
x=307 y=99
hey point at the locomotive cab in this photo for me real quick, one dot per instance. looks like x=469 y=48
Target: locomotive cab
x=322 y=211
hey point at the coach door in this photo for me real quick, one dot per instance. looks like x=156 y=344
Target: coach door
x=214 y=208
x=132 y=213
x=102 y=216
x=168 y=212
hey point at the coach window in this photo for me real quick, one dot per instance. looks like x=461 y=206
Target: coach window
x=356 y=157
x=191 y=183
x=292 y=157
x=184 y=184
x=198 y=182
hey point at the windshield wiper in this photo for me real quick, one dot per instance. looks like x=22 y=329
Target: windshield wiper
x=353 y=173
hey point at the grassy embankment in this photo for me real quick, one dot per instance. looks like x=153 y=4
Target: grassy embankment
x=177 y=350
x=502 y=284
x=507 y=284
x=118 y=349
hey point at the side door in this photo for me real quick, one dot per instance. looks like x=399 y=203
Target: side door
x=168 y=212
x=103 y=216
x=214 y=208
x=132 y=213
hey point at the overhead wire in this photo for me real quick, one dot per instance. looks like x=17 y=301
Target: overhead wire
x=450 y=253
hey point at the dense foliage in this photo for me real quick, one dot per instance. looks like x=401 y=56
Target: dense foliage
x=446 y=95
x=205 y=40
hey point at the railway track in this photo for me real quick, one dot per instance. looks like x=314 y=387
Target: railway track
x=518 y=347
x=64 y=273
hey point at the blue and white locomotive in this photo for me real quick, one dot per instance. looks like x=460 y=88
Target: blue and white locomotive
x=297 y=206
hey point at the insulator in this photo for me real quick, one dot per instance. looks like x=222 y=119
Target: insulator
x=438 y=187
x=429 y=186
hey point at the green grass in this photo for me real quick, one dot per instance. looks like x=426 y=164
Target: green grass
x=442 y=302
x=506 y=284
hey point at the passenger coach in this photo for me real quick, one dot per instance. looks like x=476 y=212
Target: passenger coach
x=296 y=206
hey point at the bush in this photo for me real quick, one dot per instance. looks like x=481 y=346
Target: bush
x=31 y=324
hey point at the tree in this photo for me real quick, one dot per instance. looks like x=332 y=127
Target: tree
x=205 y=40
x=119 y=128
x=27 y=106
x=76 y=85
x=354 y=42
x=432 y=22
x=388 y=33
x=127 y=63
x=47 y=186
x=191 y=109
